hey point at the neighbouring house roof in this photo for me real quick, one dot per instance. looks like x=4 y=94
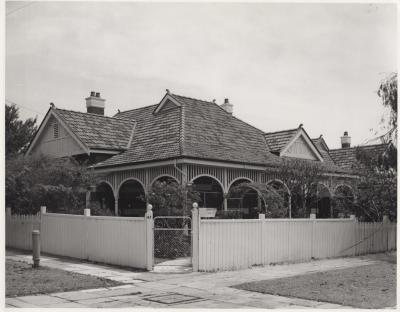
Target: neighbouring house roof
x=346 y=158
x=323 y=149
x=98 y=131
x=194 y=128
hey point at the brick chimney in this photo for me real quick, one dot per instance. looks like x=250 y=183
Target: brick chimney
x=228 y=107
x=345 y=140
x=95 y=104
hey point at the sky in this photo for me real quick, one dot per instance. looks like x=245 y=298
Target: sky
x=280 y=64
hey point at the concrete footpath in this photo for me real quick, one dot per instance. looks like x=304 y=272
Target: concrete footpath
x=174 y=290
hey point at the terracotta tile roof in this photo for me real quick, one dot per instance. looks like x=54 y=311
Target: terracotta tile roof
x=210 y=132
x=322 y=148
x=97 y=131
x=197 y=129
x=156 y=136
x=279 y=139
x=347 y=157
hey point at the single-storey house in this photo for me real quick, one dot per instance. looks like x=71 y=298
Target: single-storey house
x=194 y=142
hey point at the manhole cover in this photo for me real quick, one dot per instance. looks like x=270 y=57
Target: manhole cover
x=172 y=298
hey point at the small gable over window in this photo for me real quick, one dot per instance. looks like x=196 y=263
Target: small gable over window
x=166 y=104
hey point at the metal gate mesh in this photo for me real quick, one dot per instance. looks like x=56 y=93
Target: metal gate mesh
x=172 y=237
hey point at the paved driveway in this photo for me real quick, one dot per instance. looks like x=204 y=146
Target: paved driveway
x=187 y=290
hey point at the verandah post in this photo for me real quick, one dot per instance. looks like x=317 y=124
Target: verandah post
x=195 y=237
x=149 y=237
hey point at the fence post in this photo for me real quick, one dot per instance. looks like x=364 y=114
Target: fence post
x=149 y=237
x=261 y=217
x=355 y=223
x=86 y=212
x=385 y=223
x=195 y=237
x=42 y=210
x=36 y=248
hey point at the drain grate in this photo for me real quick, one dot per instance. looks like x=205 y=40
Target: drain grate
x=172 y=299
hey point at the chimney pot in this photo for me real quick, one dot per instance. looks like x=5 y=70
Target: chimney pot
x=345 y=140
x=228 y=107
x=95 y=104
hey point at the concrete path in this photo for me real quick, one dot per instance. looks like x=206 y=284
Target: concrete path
x=177 y=290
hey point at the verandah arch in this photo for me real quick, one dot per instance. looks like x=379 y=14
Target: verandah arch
x=320 y=200
x=344 y=199
x=164 y=178
x=244 y=200
x=283 y=189
x=131 y=198
x=104 y=197
x=210 y=190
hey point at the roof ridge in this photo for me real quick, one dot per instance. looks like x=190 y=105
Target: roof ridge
x=354 y=147
x=265 y=133
x=129 y=110
x=92 y=114
x=190 y=98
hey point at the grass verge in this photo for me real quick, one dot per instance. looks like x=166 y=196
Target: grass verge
x=23 y=280
x=369 y=286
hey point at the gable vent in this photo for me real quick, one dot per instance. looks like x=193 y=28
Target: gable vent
x=56 y=130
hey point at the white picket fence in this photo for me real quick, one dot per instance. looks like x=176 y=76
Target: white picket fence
x=120 y=241
x=216 y=244
x=113 y=240
x=19 y=230
x=238 y=244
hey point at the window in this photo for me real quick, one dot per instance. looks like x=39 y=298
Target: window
x=55 y=128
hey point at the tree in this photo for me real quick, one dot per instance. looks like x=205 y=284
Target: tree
x=302 y=178
x=388 y=93
x=18 y=133
x=57 y=183
x=171 y=199
x=377 y=190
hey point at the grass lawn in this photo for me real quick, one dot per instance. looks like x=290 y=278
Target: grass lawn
x=23 y=280
x=369 y=286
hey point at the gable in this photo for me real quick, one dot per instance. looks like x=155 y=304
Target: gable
x=54 y=140
x=300 y=149
x=167 y=103
x=167 y=106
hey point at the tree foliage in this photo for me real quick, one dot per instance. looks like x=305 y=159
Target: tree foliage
x=57 y=183
x=302 y=178
x=18 y=133
x=377 y=190
x=388 y=93
x=271 y=200
x=169 y=198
